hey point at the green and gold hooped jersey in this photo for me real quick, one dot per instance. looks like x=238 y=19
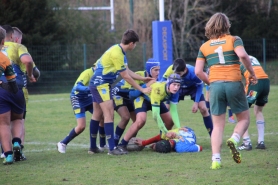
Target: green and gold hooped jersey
x=15 y=51
x=221 y=58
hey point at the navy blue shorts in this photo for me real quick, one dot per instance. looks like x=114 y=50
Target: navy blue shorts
x=189 y=92
x=143 y=105
x=120 y=101
x=12 y=102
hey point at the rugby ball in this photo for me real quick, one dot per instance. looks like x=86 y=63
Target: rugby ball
x=132 y=146
x=36 y=72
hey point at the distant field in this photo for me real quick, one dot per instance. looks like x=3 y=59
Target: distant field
x=50 y=118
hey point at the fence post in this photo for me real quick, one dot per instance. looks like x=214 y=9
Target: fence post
x=144 y=53
x=264 y=53
x=85 y=56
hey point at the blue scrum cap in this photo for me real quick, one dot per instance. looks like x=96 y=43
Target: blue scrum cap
x=150 y=64
x=173 y=78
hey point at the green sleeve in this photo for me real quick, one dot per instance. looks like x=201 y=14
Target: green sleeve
x=174 y=114
x=157 y=118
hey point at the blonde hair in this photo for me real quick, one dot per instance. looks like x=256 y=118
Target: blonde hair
x=17 y=32
x=2 y=34
x=217 y=26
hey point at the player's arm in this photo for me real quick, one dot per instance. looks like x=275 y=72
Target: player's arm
x=167 y=73
x=11 y=86
x=200 y=86
x=137 y=77
x=244 y=58
x=157 y=118
x=28 y=62
x=185 y=147
x=174 y=115
x=199 y=71
x=124 y=74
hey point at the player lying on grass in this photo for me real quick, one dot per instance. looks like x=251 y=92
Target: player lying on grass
x=161 y=91
x=179 y=140
x=123 y=104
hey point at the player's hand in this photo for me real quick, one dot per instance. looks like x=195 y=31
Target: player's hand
x=147 y=79
x=195 y=107
x=171 y=135
x=253 y=79
x=153 y=146
x=32 y=79
x=147 y=90
x=139 y=141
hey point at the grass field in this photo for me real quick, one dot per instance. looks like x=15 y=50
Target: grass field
x=50 y=118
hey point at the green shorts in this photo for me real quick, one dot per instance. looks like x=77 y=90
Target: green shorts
x=258 y=93
x=223 y=93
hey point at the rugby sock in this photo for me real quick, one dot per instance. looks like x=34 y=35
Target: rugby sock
x=260 y=127
x=208 y=106
x=2 y=150
x=230 y=112
x=151 y=140
x=246 y=140
x=216 y=157
x=208 y=124
x=236 y=137
x=8 y=153
x=109 y=131
x=69 y=137
x=102 y=138
x=123 y=142
x=93 y=133
x=16 y=139
x=118 y=134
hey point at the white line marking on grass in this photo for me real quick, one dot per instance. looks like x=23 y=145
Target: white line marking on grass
x=49 y=100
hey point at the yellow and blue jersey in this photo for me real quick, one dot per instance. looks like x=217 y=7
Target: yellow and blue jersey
x=108 y=67
x=80 y=88
x=15 y=51
x=159 y=94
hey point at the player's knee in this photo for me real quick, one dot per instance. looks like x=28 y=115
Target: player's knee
x=203 y=110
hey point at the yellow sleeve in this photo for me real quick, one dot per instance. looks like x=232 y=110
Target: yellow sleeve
x=168 y=72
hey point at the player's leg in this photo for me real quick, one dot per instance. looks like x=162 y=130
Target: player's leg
x=134 y=128
x=261 y=100
x=205 y=114
x=231 y=118
x=239 y=106
x=166 y=116
x=102 y=138
x=141 y=107
x=258 y=110
x=123 y=112
x=17 y=103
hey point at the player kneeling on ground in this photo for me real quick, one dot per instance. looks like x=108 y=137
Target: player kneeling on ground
x=179 y=140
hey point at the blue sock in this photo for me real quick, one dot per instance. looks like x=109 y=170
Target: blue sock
x=230 y=112
x=118 y=134
x=2 y=150
x=109 y=131
x=93 y=133
x=102 y=139
x=123 y=142
x=69 y=137
x=208 y=124
x=208 y=106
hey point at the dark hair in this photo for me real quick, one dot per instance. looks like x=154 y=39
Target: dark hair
x=9 y=29
x=179 y=65
x=163 y=146
x=130 y=36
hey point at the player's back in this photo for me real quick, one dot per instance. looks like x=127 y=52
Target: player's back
x=221 y=58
